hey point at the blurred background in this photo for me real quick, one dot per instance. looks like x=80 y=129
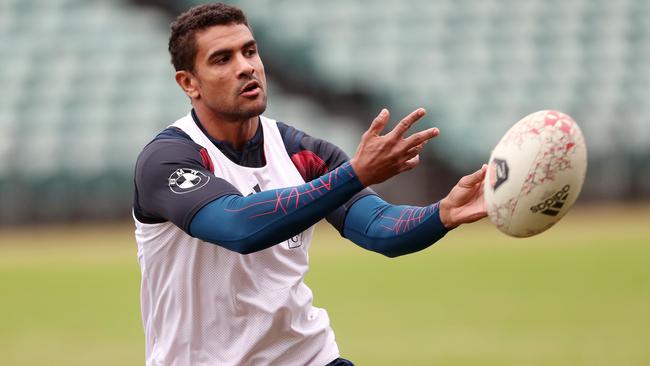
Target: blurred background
x=85 y=84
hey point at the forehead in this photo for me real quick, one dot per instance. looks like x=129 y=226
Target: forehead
x=222 y=37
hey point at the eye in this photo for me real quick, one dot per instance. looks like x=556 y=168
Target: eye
x=222 y=60
x=250 y=52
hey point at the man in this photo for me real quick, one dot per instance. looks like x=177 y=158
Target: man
x=226 y=199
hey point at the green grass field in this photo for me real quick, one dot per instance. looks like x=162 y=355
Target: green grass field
x=578 y=294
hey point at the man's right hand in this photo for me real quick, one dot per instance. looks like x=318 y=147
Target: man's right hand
x=381 y=157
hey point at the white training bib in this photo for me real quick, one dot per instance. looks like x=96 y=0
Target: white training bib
x=203 y=304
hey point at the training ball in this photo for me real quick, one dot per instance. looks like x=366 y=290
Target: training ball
x=535 y=173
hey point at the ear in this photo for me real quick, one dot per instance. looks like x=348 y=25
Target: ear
x=189 y=83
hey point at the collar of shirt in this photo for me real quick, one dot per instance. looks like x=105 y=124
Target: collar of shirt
x=251 y=155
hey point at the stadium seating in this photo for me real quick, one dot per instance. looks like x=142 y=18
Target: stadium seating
x=85 y=84
x=479 y=66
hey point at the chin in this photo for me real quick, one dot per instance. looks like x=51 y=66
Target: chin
x=241 y=111
x=254 y=110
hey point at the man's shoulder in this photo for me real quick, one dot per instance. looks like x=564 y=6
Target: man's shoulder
x=291 y=136
x=172 y=135
x=172 y=142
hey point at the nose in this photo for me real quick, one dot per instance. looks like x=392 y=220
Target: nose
x=244 y=67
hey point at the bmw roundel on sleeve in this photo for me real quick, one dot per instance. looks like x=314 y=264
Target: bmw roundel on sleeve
x=187 y=180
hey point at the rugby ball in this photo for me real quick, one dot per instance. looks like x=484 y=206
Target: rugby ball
x=535 y=173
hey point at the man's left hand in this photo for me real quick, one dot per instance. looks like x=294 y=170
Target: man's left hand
x=465 y=202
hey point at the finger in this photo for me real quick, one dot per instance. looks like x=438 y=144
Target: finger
x=481 y=188
x=411 y=154
x=411 y=163
x=415 y=149
x=406 y=123
x=469 y=181
x=379 y=122
x=475 y=216
x=482 y=197
x=422 y=136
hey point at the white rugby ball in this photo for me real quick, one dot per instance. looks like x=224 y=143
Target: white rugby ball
x=535 y=173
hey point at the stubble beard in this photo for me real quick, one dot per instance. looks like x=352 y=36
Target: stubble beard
x=249 y=108
x=247 y=112
x=239 y=112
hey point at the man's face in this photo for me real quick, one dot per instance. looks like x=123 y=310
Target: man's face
x=229 y=72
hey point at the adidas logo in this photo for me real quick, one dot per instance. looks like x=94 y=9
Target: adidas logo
x=552 y=205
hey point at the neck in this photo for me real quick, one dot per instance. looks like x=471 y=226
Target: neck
x=234 y=131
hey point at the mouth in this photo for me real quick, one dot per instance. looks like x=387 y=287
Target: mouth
x=250 y=89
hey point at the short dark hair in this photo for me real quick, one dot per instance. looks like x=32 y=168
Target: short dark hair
x=182 y=42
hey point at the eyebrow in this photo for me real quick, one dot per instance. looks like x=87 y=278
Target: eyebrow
x=228 y=51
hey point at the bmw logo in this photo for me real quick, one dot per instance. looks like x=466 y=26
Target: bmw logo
x=187 y=180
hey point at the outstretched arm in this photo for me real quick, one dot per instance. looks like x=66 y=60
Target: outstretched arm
x=253 y=223
x=397 y=230
x=392 y=230
x=261 y=220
